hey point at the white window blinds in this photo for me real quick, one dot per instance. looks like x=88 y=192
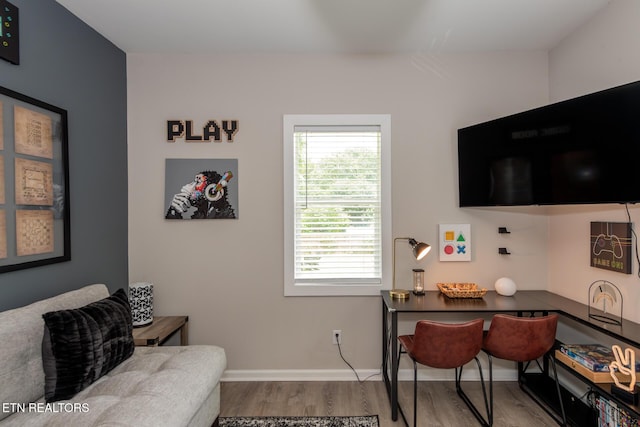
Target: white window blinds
x=337 y=201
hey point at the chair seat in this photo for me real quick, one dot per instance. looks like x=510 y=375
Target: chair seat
x=445 y=346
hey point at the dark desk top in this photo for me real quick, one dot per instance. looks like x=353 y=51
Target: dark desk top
x=436 y=301
x=521 y=301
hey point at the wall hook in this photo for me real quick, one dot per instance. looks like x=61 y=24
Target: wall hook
x=503 y=251
x=503 y=230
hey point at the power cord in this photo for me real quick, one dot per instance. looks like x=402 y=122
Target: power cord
x=350 y=366
x=635 y=236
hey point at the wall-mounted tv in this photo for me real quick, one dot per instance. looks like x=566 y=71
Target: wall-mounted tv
x=579 y=151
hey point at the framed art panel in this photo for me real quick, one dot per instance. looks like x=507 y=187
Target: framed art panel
x=34 y=183
x=611 y=246
x=455 y=242
x=201 y=189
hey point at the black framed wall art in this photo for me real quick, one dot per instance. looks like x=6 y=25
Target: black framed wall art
x=611 y=246
x=9 y=32
x=34 y=183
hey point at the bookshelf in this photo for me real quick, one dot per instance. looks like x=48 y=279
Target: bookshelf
x=604 y=398
x=578 y=413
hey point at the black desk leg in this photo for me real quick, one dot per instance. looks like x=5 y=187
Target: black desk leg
x=385 y=346
x=394 y=365
x=390 y=373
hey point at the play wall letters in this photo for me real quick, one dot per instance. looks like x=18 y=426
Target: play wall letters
x=211 y=131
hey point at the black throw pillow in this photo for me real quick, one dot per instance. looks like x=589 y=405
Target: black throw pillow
x=81 y=345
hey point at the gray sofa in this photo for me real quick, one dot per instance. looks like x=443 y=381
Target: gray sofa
x=156 y=386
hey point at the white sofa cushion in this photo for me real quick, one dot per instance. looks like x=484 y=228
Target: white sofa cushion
x=140 y=392
x=21 y=331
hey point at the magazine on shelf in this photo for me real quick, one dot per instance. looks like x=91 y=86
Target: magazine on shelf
x=595 y=357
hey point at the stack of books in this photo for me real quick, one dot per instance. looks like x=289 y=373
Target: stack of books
x=592 y=361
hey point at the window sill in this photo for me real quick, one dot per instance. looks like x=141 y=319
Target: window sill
x=321 y=290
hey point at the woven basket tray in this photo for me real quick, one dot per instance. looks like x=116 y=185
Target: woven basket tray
x=461 y=290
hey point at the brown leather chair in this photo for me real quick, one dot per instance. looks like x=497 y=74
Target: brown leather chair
x=445 y=346
x=522 y=340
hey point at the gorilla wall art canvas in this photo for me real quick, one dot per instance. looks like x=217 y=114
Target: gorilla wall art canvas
x=201 y=188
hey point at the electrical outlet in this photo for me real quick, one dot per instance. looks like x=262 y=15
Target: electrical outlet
x=337 y=336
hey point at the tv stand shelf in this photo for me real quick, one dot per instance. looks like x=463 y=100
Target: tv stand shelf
x=627 y=333
x=578 y=413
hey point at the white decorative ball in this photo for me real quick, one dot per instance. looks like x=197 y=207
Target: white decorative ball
x=505 y=286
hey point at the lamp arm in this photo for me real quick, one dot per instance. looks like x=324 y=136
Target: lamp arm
x=393 y=283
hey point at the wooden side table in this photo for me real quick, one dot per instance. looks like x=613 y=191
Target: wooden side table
x=161 y=329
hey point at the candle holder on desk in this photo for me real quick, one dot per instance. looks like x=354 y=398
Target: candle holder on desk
x=418 y=281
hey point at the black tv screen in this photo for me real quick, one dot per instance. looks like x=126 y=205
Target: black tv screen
x=578 y=151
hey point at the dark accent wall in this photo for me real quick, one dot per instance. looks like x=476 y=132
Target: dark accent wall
x=64 y=62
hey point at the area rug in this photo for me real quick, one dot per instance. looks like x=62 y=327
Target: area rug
x=361 y=421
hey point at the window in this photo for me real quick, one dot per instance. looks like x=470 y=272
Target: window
x=337 y=214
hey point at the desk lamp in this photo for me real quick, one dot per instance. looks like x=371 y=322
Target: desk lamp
x=420 y=250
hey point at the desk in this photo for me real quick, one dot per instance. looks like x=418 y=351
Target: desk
x=161 y=329
x=520 y=303
x=436 y=302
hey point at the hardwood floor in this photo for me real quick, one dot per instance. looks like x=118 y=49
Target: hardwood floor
x=438 y=403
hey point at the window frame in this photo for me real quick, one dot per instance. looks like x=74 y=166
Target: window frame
x=372 y=287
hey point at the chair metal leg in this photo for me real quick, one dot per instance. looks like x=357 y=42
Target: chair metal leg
x=404 y=418
x=415 y=391
x=490 y=388
x=484 y=394
x=488 y=402
x=415 y=394
x=489 y=421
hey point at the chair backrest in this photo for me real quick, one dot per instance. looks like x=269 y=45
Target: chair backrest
x=446 y=345
x=520 y=339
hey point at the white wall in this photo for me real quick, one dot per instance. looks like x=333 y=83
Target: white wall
x=227 y=274
x=601 y=54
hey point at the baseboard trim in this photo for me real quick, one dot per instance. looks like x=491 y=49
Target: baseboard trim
x=237 y=375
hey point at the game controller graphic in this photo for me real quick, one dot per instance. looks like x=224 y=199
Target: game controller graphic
x=610 y=244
